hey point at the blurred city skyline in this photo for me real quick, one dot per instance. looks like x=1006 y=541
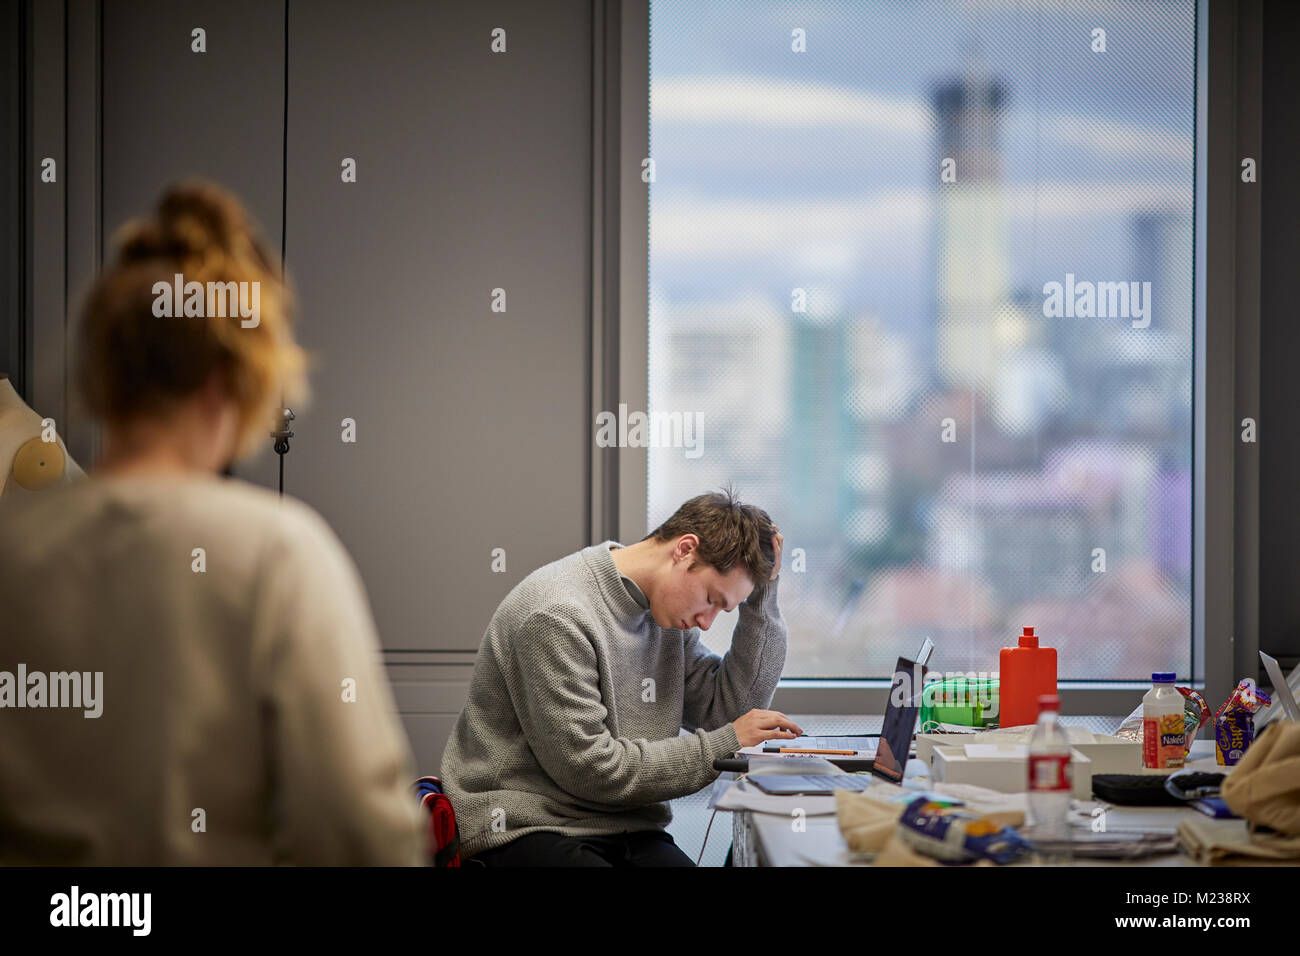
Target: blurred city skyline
x=820 y=171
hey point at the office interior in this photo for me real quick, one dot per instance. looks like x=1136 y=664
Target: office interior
x=645 y=205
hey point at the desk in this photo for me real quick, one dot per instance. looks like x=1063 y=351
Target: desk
x=765 y=839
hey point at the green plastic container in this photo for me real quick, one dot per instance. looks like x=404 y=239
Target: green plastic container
x=963 y=701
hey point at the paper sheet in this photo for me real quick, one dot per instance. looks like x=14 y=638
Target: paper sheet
x=757 y=751
x=738 y=798
x=743 y=796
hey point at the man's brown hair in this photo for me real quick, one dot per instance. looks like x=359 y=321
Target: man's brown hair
x=731 y=533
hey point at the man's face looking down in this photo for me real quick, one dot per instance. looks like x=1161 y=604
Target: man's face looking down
x=689 y=593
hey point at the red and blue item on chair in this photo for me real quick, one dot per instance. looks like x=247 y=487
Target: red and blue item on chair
x=443 y=837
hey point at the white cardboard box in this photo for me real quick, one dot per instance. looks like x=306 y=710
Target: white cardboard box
x=925 y=744
x=1109 y=754
x=1003 y=767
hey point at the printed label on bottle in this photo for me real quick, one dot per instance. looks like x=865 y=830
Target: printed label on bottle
x=1049 y=772
x=1164 y=742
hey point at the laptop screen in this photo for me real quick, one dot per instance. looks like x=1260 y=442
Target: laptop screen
x=900 y=720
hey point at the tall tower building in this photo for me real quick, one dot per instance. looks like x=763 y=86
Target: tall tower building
x=970 y=244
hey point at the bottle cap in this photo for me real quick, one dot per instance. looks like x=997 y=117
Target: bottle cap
x=1029 y=638
x=1049 y=702
x=1164 y=677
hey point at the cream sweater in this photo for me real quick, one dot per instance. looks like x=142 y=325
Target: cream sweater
x=245 y=716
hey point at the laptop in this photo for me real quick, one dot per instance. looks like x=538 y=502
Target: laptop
x=891 y=752
x=1281 y=689
x=863 y=745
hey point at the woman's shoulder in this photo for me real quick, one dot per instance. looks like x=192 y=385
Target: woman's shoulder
x=287 y=522
x=228 y=511
x=242 y=535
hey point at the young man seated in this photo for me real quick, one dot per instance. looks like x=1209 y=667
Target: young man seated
x=569 y=744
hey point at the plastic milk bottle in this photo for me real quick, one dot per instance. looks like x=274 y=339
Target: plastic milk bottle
x=1163 y=727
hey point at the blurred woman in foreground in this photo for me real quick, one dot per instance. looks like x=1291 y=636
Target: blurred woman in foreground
x=202 y=678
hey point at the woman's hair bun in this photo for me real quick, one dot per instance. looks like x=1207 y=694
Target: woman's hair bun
x=138 y=362
x=194 y=222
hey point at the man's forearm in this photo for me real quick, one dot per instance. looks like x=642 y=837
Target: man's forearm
x=762 y=630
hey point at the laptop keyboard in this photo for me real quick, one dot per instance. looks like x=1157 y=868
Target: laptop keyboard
x=837 y=781
x=840 y=781
x=867 y=744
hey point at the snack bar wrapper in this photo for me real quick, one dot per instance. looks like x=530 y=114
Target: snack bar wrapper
x=1234 y=722
x=954 y=835
x=1196 y=713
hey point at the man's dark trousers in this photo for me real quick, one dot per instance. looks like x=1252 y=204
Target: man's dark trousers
x=643 y=848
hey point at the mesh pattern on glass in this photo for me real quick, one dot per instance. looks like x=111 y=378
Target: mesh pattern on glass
x=926 y=287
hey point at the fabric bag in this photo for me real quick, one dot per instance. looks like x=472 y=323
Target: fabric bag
x=1265 y=786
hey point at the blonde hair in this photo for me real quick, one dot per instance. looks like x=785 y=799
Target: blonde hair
x=134 y=364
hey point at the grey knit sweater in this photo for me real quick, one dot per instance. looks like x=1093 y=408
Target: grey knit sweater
x=577 y=701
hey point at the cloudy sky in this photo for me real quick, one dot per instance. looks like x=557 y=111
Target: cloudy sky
x=776 y=169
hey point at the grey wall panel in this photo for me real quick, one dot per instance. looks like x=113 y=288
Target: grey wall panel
x=429 y=697
x=170 y=113
x=83 y=192
x=428 y=734
x=435 y=696
x=47 y=204
x=15 y=174
x=473 y=173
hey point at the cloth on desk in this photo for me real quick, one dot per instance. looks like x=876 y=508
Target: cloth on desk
x=870 y=825
x=1231 y=842
x=865 y=822
x=868 y=822
x=1265 y=786
x=898 y=853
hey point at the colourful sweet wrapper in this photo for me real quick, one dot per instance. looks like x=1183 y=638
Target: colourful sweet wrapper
x=1196 y=712
x=1234 y=722
x=953 y=835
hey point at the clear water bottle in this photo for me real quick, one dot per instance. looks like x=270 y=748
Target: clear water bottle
x=1049 y=784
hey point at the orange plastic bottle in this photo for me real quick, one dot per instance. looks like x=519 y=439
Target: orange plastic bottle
x=1025 y=673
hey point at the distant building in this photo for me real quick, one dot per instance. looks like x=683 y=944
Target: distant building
x=971 y=266
x=730 y=362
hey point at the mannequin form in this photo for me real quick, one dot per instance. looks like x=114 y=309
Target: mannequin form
x=28 y=464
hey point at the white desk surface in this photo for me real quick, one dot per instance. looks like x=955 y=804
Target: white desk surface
x=764 y=839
